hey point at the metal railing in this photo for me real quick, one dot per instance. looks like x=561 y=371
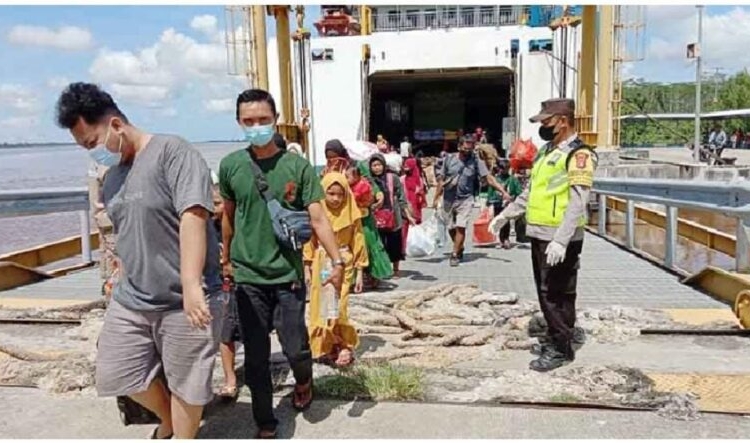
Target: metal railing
x=448 y=17
x=728 y=198
x=50 y=201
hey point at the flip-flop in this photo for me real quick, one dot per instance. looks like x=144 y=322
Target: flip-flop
x=306 y=405
x=228 y=392
x=260 y=436
x=351 y=359
x=155 y=433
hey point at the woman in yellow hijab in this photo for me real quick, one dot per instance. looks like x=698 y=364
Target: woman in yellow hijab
x=332 y=338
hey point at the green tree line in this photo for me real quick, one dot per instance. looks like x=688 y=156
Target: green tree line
x=660 y=98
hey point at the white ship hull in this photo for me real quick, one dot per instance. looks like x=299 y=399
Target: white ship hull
x=337 y=96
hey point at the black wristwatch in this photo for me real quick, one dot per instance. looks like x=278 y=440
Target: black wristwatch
x=339 y=262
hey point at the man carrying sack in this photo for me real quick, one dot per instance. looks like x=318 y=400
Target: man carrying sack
x=555 y=206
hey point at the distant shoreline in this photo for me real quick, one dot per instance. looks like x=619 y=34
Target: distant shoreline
x=55 y=144
x=32 y=145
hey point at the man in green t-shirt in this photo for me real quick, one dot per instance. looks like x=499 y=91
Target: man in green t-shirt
x=270 y=281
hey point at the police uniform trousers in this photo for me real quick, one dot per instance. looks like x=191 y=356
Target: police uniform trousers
x=556 y=289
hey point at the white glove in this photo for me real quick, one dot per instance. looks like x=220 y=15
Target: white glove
x=497 y=224
x=555 y=253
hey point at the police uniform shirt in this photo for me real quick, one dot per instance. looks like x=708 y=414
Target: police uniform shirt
x=581 y=178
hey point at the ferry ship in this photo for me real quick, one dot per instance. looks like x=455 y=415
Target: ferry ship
x=428 y=71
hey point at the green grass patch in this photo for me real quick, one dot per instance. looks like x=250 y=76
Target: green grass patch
x=373 y=381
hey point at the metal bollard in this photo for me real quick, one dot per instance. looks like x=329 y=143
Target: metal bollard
x=670 y=240
x=85 y=237
x=630 y=224
x=602 y=215
x=742 y=248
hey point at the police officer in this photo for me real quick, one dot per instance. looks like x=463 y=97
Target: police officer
x=554 y=203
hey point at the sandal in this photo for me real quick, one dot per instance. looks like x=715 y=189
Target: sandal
x=347 y=360
x=326 y=360
x=263 y=434
x=300 y=392
x=228 y=392
x=373 y=283
x=155 y=435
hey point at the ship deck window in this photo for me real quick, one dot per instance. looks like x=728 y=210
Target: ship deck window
x=467 y=16
x=449 y=17
x=507 y=15
x=430 y=18
x=486 y=15
x=412 y=16
x=439 y=16
x=540 y=45
x=392 y=20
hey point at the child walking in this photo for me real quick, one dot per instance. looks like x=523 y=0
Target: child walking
x=379 y=267
x=230 y=330
x=333 y=339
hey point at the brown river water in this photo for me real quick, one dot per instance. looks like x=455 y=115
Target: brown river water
x=690 y=256
x=52 y=167
x=67 y=166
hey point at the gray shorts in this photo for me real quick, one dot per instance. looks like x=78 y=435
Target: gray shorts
x=457 y=214
x=135 y=346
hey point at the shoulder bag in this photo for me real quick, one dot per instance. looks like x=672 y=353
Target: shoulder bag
x=292 y=229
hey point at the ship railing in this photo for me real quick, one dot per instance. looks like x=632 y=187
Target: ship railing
x=17 y=203
x=731 y=199
x=484 y=16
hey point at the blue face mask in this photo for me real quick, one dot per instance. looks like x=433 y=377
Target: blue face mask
x=257 y=135
x=104 y=156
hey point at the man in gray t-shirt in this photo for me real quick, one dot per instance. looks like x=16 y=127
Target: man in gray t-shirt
x=459 y=180
x=169 y=177
x=160 y=320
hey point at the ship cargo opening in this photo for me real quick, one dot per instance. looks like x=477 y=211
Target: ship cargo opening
x=430 y=106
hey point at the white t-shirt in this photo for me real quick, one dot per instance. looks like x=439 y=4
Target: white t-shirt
x=405 y=148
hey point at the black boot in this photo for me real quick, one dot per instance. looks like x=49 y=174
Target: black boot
x=541 y=347
x=579 y=337
x=553 y=358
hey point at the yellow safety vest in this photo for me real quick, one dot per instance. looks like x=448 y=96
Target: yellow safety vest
x=550 y=189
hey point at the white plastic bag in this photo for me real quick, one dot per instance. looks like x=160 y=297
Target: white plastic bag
x=393 y=161
x=441 y=238
x=419 y=243
x=360 y=150
x=431 y=228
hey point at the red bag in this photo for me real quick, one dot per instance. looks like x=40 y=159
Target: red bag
x=362 y=193
x=385 y=219
x=522 y=154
